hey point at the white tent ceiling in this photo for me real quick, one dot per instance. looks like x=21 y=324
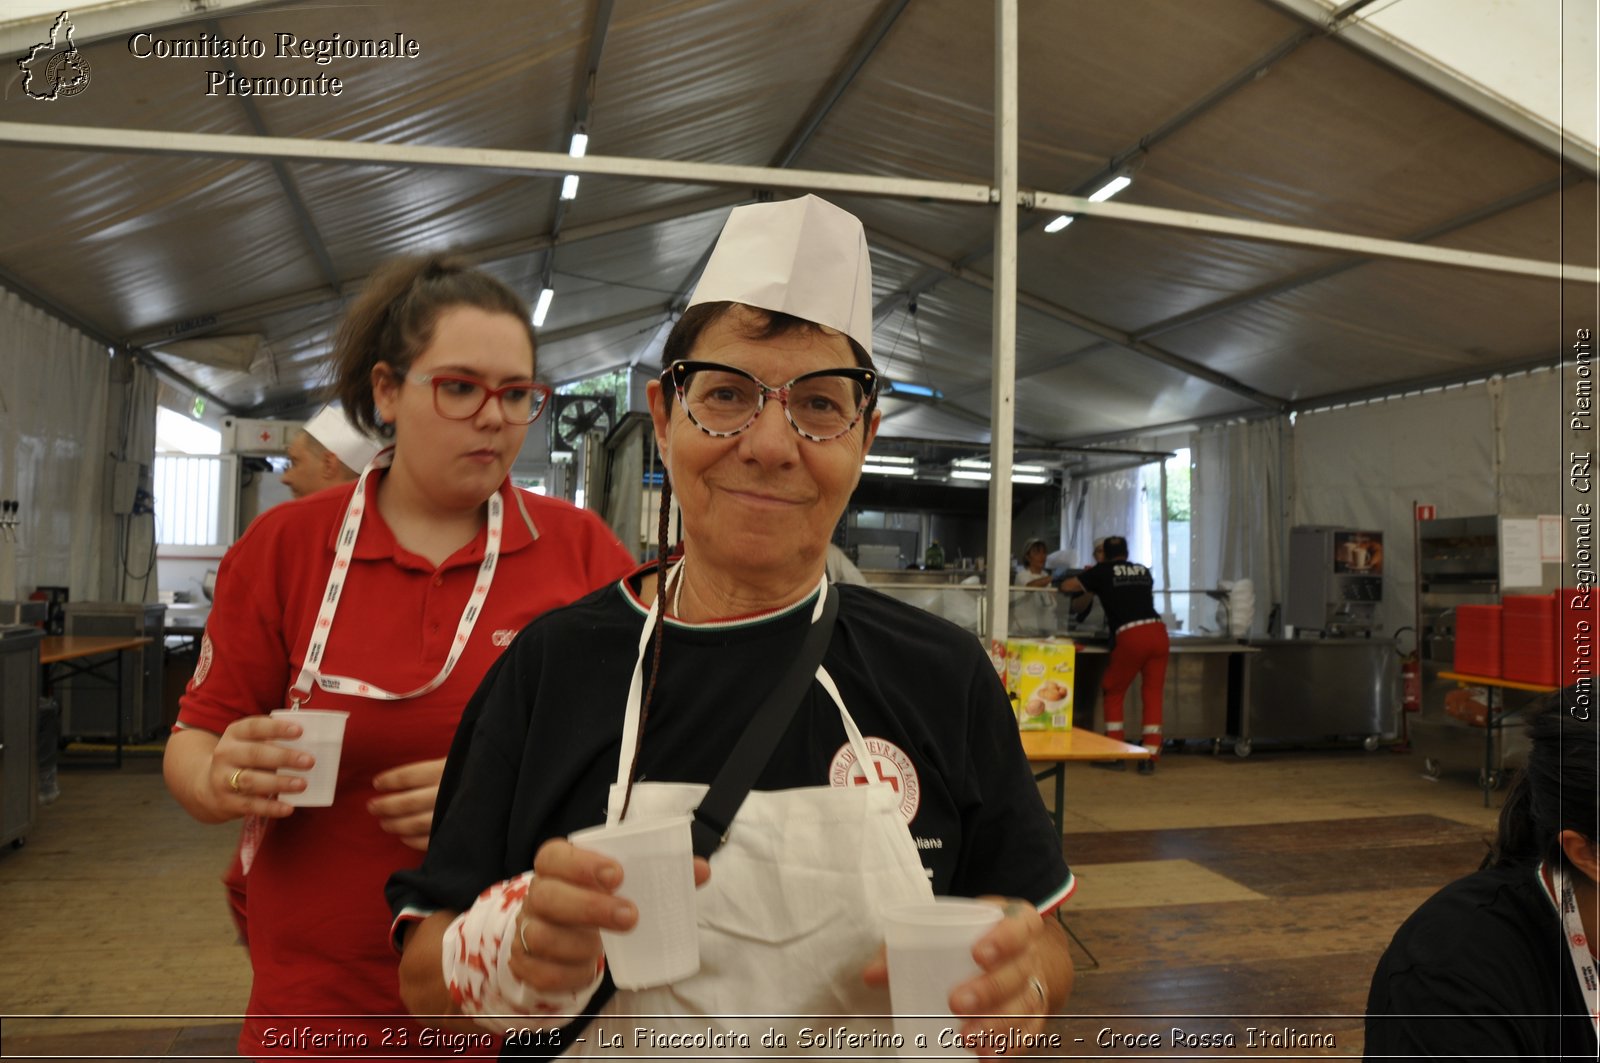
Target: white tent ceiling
x=231 y=271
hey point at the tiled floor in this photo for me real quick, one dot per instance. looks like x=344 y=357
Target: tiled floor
x=1219 y=896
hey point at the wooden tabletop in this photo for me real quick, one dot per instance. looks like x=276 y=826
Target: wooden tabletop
x=1496 y=681
x=55 y=648
x=1077 y=744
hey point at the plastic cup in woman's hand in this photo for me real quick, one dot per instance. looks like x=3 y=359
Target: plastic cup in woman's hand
x=929 y=947
x=657 y=858
x=321 y=735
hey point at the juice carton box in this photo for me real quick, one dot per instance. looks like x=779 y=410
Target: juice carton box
x=997 y=657
x=1039 y=675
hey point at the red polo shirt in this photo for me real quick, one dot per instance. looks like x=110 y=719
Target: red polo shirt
x=319 y=924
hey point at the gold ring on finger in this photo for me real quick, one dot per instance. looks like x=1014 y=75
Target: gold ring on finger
x=233 y=780
x=1036 y=984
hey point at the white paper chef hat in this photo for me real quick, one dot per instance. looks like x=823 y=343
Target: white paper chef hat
x=349 y=444
x=804 y=257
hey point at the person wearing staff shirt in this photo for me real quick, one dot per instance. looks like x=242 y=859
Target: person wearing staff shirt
x=387 y=599
x=328 y=451
x=1139 y=643
x=900 y=775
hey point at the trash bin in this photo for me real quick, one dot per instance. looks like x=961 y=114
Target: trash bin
x=49 y=744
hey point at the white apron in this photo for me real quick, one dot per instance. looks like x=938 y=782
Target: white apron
x=787 y=922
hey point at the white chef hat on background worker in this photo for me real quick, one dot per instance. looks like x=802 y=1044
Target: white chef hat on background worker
x=327 y=450
x=334 y=432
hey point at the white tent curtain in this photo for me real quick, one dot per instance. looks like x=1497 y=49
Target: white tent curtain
x=1236 y=502
x=1365 y=467
x=1111 y=506
x=1534 y=439
x=54 y=383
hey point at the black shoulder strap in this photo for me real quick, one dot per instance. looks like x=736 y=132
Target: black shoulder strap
x=767 y=725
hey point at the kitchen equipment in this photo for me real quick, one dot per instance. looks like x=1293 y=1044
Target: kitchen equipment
x=88 y=702
x=1335 y=581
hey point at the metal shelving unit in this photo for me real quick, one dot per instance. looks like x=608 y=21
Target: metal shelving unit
x=1458 y=563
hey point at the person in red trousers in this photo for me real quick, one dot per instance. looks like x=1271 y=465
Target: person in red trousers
x=1138 y=638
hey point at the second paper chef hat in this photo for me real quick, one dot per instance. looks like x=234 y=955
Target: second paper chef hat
x=349 y=444
x=804 y=257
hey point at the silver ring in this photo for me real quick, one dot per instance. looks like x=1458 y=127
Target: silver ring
x=522 y=924
x=1036 y=984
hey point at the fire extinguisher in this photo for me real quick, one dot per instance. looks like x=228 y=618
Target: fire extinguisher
x=1410 y=674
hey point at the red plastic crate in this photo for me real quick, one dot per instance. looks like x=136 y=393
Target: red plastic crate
x=1478 y=646
x=1528 y=639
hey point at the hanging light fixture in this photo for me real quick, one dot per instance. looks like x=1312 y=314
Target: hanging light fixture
x=900 y=389
x=890 y=465
x=978 y=469
x=1110 y=188
x=546 y=295
x=576 y=148
x=1099 y=195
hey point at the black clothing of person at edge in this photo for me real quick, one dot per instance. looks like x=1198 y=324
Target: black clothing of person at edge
x=1499 y=925
x=538 y=746
x=1482 y=969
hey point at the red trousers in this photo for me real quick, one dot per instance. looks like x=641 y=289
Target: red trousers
x=1141 y=651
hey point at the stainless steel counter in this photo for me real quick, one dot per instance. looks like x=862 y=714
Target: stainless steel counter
x=1319 y=689
x=1295 y=689
x=1201 y=698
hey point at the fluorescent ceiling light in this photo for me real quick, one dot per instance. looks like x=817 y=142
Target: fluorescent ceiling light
x=890 y=459
x=889 y=470
x=580 y=145
x=569 y=187
x=1109 y=189
x=983 y=464
x=978 y=469
x=900 y=389
x=542 y=307
x=983 y=474
x=1061 y=222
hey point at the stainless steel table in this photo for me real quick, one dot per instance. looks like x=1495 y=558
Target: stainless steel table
x=1304 y=689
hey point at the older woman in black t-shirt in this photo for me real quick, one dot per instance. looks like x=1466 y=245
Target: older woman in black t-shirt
x=900 y=775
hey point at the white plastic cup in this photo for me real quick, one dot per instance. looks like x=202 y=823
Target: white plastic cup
x=321 y=735
x=657 y=858
x=930 y=953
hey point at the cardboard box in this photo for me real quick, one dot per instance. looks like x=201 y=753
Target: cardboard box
x=1039 y=677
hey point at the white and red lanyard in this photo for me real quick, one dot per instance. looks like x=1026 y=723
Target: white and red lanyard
x=1554 y=882
x=344 y=549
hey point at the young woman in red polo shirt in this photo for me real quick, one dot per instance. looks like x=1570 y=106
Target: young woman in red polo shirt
x=387 y=599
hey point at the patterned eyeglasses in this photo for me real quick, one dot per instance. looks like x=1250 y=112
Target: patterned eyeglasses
x=724 y=401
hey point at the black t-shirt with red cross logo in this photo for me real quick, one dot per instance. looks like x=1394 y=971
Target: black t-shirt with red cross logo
x=538 y=745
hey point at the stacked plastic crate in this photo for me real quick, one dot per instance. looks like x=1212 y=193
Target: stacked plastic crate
x=1528 y=638
x=1478 y=640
